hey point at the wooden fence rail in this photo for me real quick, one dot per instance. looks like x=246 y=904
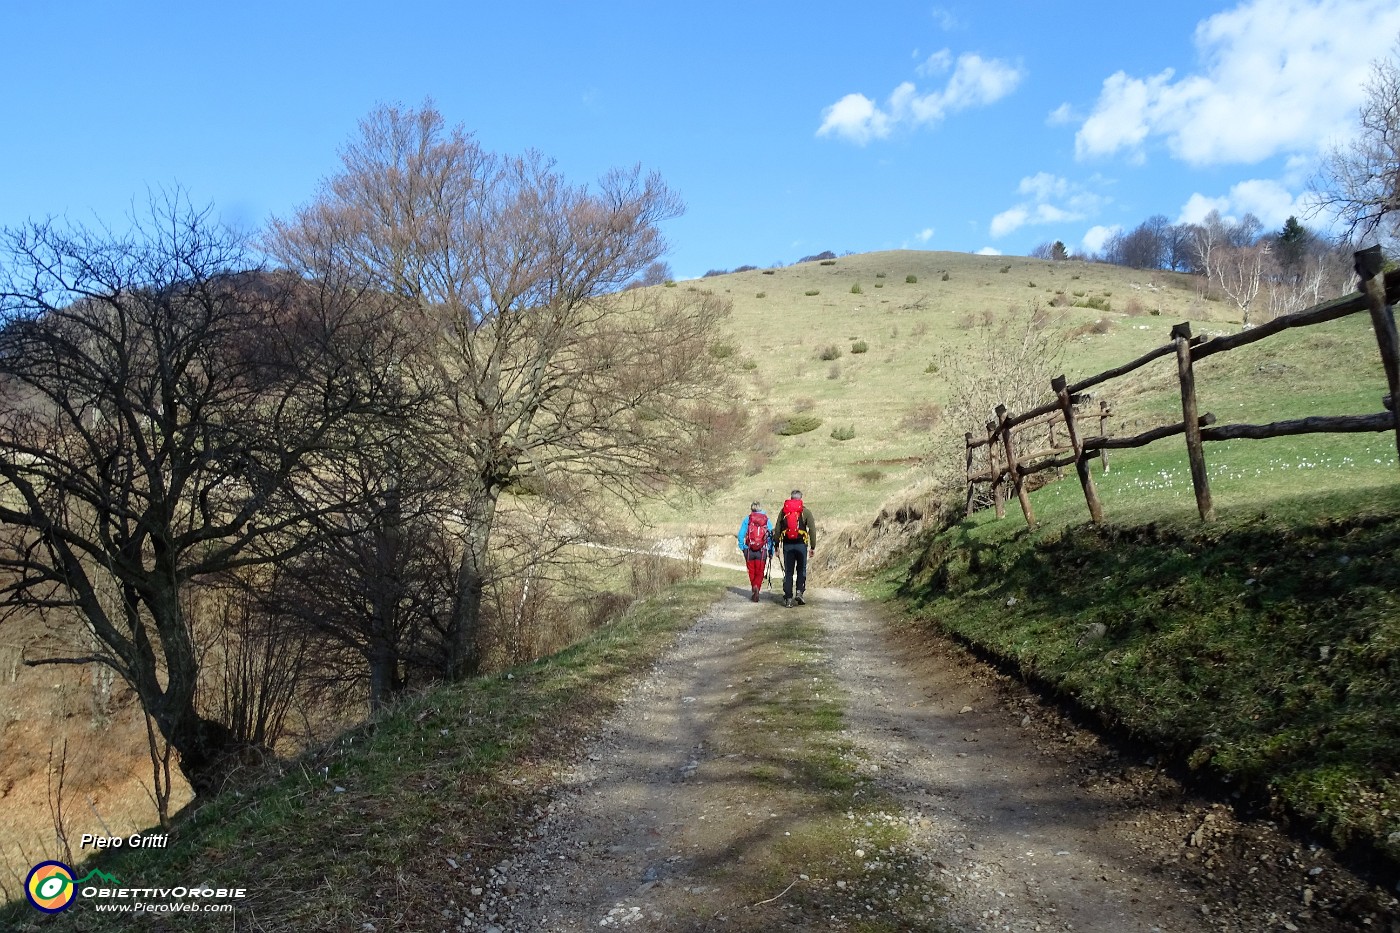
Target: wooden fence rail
x=1377 y=292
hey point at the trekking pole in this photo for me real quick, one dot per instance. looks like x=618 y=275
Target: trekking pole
x=768 y=569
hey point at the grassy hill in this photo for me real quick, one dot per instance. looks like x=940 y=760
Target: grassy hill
x=892 y=398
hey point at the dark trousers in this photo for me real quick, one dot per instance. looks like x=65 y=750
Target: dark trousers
x=794 y=562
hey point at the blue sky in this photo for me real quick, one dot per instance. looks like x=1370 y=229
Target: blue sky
x=786 y=128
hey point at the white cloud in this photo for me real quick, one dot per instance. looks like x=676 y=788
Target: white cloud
x=1095 y=238
x=1009 y=220
x=1277 y=76
x=925 y=235
x=1061 y=116
x=938 y=63
x=974 y=82
x=1266 y=199
x=989 y=251
x=1049 y=199
x=946 y=19
x=855 y=117
x=1198 y=206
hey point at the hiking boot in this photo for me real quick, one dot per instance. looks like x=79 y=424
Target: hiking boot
x=787 y=603
x=800 y=600
x=753 y=597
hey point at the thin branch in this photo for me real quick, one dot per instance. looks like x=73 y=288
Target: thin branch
x=776 y=896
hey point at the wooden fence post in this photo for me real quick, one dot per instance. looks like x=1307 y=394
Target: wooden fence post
x=1003 y=417
x=1050 y=428
x=998 y=496
x=1181 y=333
x=967 y=439
x=1103 y=432
x=1370 y=267
x=1081 y=465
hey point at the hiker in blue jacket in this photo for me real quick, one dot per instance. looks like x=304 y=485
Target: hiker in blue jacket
x=756 y=544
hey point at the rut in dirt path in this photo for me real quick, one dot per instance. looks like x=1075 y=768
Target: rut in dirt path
x=671 y=819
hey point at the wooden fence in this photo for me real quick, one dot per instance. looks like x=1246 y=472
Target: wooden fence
x=1377 y=291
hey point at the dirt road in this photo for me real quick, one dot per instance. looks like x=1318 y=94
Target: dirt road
x=1011 y=818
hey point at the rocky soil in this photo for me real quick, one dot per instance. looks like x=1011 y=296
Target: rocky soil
x=1017 y=819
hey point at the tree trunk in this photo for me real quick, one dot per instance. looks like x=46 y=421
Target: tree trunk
x=463 y=659
x=383 y=664
x=208 y=750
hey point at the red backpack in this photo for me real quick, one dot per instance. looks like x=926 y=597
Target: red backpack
x=757 y=537
x=790 y=520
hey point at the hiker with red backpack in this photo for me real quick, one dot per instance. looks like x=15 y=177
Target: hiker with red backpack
x=796 y=532
x=756 y=544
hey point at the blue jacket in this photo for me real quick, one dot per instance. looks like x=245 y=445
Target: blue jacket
x=744 y=532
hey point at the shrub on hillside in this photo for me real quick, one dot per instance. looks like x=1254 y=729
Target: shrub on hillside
x=812 y=291
x=860 y=346
x=911 y=280
x=843 y=434
x=855 y=289
x=1095 y=302
x=798 y=424
x=830 y=352
x=828 y=262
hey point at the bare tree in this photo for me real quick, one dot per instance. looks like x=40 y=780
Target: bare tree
x=377 y=588
x=545 y=365
x=165 y=413
x=1176 y=245
x=1239 y=271
x=656 y=273
x=1360 y=181
x=1206 y=237
x=1010 y=362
